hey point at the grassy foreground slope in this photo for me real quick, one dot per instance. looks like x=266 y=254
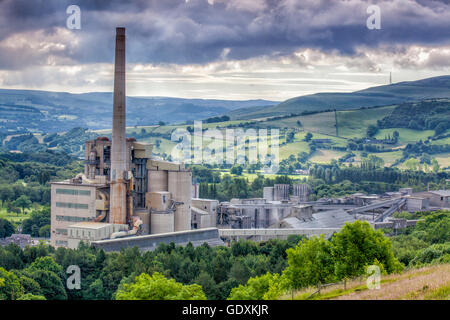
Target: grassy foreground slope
x=427 y=283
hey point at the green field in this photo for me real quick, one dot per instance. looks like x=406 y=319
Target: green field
x=351 y=124
x=14 y=217
x=354 y=123
x=325 y=156
x=441 y=141
x=443 y=159
x=406 y=135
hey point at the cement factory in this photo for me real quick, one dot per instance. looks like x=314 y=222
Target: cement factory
x=125 y=197
x=123 y=191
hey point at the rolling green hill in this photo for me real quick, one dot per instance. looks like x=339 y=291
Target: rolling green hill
x=437 y=87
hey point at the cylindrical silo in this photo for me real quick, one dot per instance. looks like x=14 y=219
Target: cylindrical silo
x=180 y=185
x=162 y=222
x=268 y=193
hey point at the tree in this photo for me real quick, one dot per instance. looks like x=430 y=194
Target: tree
x=51 y=285
x=157 y=287
x=30 y=296
x=412 y=164
x=6 y=228
x=357 y=246
x=10 y=287
x=22 y=202
x=208 y=285
x=395 y=136
x=44 y=232
x=310 y=263
x=308 y=137
x=48 y=264
x=29 y=285
x=37 y=219
x=237 y=170
x=265 y=287
x=435 y=165
x=6 y=193
x=371 y=130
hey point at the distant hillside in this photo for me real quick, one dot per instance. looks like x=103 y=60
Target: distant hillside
x=424 y=115
x=437 y=87
x=36 y=111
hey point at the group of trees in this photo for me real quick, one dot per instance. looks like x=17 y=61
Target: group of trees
x=245 y=270
x=319 y=261
x=431 y=114
x=38 y=223
x=325 y=180
x=371 y=170
x=25 y=177
x=227 y=187
x=427 y=242
x=169 y=272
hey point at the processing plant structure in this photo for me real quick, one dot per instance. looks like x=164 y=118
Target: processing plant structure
x=124 y=192
x=125 y=198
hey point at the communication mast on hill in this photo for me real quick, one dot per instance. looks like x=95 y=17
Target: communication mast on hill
x=335 y=119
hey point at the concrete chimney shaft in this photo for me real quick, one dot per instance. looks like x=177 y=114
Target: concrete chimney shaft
x=118 y=205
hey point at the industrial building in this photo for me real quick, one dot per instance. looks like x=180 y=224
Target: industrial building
x=126 y=197
x=124 y=191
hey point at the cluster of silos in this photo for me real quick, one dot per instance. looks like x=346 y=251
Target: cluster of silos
x=281 y=192
x=301 y=191
x=169 y=199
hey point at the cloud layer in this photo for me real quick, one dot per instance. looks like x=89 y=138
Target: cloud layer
x=214 y=36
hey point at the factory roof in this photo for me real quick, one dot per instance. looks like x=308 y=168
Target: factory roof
x=199 y=211
x=207 y=200
x=442 y=193
x=89 y=225
x=69 y=183
x=324 y=219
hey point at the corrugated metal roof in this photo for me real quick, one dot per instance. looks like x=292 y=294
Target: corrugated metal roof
x=442 y=193
x=324 y=219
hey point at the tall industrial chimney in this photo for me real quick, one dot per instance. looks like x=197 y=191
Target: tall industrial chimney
x=118 y=207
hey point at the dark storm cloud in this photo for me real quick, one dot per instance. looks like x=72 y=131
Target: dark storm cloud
x=176 y=31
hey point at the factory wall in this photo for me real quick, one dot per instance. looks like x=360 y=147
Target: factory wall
x=71 y=203
x=151 y=242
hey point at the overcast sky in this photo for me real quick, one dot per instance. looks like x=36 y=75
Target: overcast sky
x=227 y=49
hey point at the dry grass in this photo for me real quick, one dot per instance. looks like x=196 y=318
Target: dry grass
x=417 y=284
x=429 y=283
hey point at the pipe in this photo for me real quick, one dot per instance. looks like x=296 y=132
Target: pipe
x=136 y=225
x=104 y=212
x=84 y=178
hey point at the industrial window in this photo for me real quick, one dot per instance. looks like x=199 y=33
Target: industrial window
x=71 y=205
x=74 y=192
x=61 y=243
x=62 y=231
x=71 y=218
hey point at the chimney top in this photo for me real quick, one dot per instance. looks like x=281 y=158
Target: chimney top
x=120 y=31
